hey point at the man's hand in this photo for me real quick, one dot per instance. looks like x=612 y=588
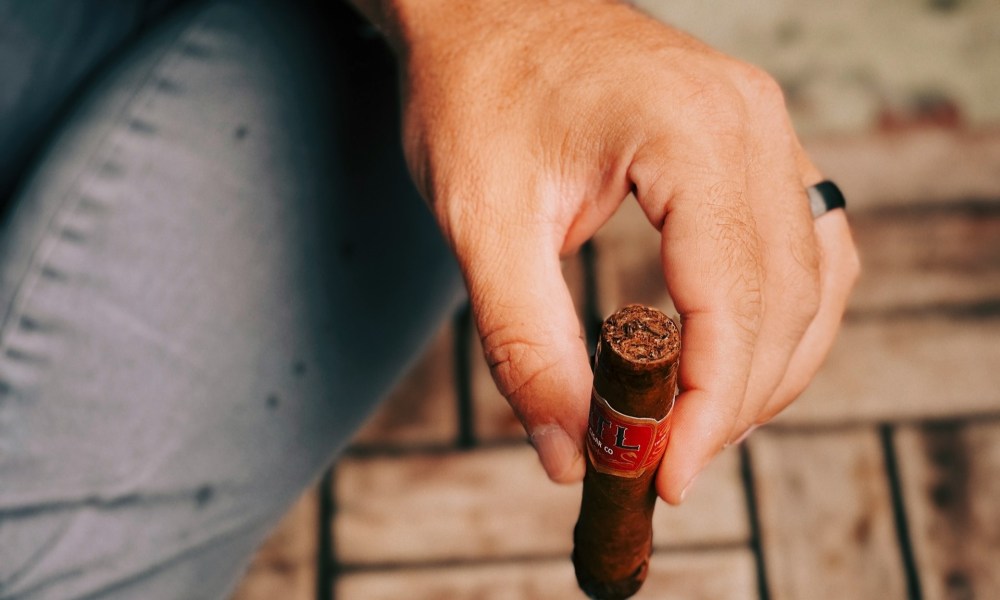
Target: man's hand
x=528 y=122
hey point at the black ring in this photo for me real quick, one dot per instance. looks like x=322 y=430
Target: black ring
x=824 y=197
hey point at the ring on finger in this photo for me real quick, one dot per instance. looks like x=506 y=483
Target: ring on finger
x=824 y=197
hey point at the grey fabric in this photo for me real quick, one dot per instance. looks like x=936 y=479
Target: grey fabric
x=202 y=297
x=48 y=48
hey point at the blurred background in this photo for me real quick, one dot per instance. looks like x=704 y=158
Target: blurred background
x=882 y=482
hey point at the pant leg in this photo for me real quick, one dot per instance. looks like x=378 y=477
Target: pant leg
x=205 y=285
x=48 y=48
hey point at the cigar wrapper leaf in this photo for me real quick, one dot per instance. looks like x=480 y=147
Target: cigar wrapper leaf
x=635 y=377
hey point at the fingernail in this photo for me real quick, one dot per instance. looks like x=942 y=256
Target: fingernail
x=687 y=488
x=556 y=451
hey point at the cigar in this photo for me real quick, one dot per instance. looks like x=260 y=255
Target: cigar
x=635 y=375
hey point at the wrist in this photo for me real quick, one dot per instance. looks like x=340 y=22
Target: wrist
x=404 y=22
x=407 y=24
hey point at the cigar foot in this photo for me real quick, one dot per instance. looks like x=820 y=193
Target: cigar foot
x=601 y=589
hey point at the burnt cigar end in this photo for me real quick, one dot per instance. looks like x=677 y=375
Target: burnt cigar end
x=640 y=337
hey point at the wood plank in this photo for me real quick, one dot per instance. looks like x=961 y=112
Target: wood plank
x=939 y=53
x=720 y=575
x=826 y=516
x=714 y=513
x=935 y=367
x=495 y=503
x=927 y=258
x=285 y=566
x=482 y=504
x=421 y=410
x=907 y=168
x=951 y=486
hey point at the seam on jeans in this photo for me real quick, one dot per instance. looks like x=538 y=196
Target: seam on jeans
x=96 y=503
x=36 y=557
x=165 y=562
x=38 y=262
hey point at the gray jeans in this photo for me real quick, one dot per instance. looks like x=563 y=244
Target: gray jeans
x=214 y=267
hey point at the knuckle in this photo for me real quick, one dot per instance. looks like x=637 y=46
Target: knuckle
x=719 y=105
x=744 y=311
x=760 y=87
x=718 y=92
x=514 y=361
x=748 y=314
x=763 y=99
x=737 y=88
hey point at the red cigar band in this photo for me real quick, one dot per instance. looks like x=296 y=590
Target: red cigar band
x=622 y=445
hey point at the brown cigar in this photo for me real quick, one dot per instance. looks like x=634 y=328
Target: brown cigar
x=635 y=374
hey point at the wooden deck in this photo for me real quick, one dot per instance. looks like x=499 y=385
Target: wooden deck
x=882 y=482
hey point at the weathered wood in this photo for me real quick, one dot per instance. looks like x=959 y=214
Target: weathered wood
x=826 y=516
x=718 y=575
x=421 y=410
x=497 y=503
x=482 y=504
x=926 y=305
x=939 y=53
x=715 y=512
x=923 y=259
x=907 y=168
x=285 y=566
x=895 y=370
x=951 y=490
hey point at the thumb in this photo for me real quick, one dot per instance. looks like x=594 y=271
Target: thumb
x=533 y=343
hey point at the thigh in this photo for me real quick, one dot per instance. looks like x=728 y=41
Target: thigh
x=47 y=49
x=206 y=284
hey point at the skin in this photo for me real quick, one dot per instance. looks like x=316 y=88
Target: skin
x=526 y=125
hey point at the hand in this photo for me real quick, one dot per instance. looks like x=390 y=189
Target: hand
x=528 y=122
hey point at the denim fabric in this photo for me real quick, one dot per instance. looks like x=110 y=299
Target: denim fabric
x=211 y=275
x=48 y=50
